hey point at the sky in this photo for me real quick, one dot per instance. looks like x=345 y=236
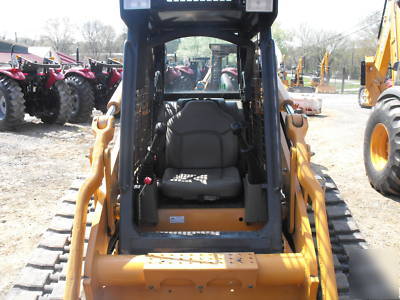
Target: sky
x=27 y=17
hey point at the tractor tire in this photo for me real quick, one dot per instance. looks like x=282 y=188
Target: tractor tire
x=83 y=100
x=382 y=147
x=61 y=110
x=12 y=104
x=362 y=98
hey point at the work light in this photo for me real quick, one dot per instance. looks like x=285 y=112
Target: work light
x=137 y=4
x=260 y=5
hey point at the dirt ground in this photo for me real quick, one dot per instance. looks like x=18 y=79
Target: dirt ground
x=39 y=162
x=337 y=138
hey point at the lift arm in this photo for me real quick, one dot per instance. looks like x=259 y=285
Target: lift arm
x=376 y=67
x=299 y=71
x=298 y=79
x=324 y=68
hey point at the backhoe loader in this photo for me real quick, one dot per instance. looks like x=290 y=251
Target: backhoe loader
x=200 y=194
x=322 y=83
x=375 y=70
x=381 y=146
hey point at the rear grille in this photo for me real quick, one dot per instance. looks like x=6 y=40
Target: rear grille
x=197 y=4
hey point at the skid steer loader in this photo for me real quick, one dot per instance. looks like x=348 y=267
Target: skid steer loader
x=201 y=194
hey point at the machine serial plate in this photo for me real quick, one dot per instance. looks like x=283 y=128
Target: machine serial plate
x=177 y=219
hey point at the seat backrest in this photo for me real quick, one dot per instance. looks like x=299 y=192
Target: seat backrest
x=200 y=136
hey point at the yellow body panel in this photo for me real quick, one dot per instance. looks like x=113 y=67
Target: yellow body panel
x=281 y=292
x=376 y=67
x=200 y=219
x=197 y=275
x=272 y=276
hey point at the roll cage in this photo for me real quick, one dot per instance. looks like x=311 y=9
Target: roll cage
x=148 y=31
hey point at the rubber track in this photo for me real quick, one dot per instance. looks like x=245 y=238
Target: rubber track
x=44 y=275
x=344 y=233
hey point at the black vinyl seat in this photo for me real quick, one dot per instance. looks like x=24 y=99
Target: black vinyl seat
x=201 y=154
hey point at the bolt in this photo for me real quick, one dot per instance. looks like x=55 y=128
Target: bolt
x=151 y=287
x=250 y=286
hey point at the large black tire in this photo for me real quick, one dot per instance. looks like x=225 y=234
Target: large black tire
x=61 y=105
x=12 y=104
x=382 y=147
x=362 y=98
x=83 y=100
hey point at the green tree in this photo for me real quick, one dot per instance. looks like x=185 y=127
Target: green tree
x=196 y=47
x=172 y=46
x=282 y=38
x=59 y=34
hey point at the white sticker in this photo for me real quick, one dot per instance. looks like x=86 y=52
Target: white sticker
x=177 y=219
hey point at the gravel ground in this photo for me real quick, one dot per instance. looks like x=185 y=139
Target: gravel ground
x=39 y=162
x=337 y=138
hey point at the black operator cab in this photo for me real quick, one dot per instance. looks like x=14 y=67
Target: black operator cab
x=200 y=154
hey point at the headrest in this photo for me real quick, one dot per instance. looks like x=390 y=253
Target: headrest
x=183 y=101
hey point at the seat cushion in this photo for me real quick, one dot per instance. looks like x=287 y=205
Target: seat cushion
x=200 y=137
x=201 y=184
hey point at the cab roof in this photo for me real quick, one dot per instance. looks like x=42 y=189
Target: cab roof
x=199 y=17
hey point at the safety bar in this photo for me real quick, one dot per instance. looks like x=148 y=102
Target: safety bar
x=103 y=127
x=50 y=66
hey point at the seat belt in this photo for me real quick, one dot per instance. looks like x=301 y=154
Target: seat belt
x=256 y=174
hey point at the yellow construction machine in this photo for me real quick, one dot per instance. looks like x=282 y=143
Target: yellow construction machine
x=198 y=194
x=376 y=70
x=296 y=84
x=381 y=145
x=199 y=213
x=321 y=84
